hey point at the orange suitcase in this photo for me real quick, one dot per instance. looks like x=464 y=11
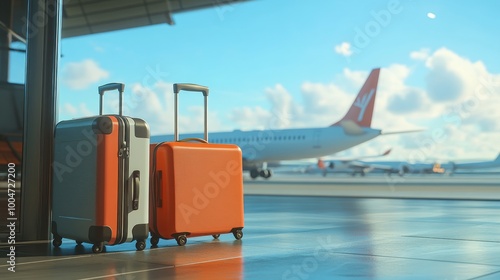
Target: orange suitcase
x=196 y=187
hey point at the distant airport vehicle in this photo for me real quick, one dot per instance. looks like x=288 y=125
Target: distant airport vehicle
x=262 y=146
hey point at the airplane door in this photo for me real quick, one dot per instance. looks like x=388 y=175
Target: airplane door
x=317 y=139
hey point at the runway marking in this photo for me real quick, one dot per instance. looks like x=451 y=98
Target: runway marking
x=447 y=238
x=415 y=259
x=485 y=275
x=158 y=268
x=66 y=258
x=127 y=273
x=209 y=261
x=43 y=261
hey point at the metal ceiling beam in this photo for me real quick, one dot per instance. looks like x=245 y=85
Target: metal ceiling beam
x=96 y=16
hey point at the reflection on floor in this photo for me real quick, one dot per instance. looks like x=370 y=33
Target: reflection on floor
x=293 y=237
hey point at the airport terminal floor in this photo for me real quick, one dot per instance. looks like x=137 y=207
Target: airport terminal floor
x=291 y=236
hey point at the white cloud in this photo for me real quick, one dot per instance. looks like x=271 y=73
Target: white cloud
x=451 y=76
x=323 y=104
x=69 y=111
x=99 y=49
x=353 y=79
x=344 y=49
x=421 y=54
x=80 y=75
x=249 y=118
x=283 y=108
x=395 y=98
x=152 y=104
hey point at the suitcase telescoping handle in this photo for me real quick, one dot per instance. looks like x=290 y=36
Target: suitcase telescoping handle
x=108 y=87
x=190 y=87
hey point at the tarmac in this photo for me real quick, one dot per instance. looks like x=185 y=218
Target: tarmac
x=309 y=227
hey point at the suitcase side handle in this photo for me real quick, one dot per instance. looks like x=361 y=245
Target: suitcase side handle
x=190 y=87
x=108 y=87
x=136 y=176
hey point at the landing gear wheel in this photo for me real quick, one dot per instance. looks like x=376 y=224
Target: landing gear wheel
x=266 y=173
x=216 y=236
x=78 y=242
x=238 y=234
x=181 y=240
x=97 y=248
x=57 y=242
x=254 y=173
x=154 y=240
x=140 y=245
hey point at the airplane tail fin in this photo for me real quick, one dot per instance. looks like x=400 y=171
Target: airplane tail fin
x=361 y=110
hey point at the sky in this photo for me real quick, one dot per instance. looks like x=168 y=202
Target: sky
x=290 y=64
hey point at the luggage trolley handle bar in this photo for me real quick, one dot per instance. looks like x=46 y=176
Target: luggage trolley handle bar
x=190 y=87
x=108 y=87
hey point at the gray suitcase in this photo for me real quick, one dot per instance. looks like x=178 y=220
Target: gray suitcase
x=100 y=189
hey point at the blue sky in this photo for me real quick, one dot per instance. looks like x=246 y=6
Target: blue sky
x=290 y=63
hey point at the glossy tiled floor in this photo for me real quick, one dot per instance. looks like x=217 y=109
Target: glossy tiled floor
x=293 y=237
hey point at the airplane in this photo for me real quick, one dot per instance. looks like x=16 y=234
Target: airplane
x=262 y=146
x=388 y=167
x=451 y=166
x=356 y=165
x=436 y=167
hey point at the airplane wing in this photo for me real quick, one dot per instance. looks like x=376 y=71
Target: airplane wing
x=349 y=160
x=477 y=164
x=403 y=131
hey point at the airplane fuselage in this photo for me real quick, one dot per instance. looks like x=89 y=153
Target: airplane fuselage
x=287 y=144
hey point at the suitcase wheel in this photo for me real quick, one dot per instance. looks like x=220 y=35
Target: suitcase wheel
x=238 y=234
x=154 y=240
x=140 y=245
x=57 y=242
x=181 y=240
x=216 y=236
x=98 y=248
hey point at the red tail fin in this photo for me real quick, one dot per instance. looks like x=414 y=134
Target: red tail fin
x=361 y=110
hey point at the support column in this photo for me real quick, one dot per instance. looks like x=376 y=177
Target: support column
x=5 y=39
x=43 y=34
